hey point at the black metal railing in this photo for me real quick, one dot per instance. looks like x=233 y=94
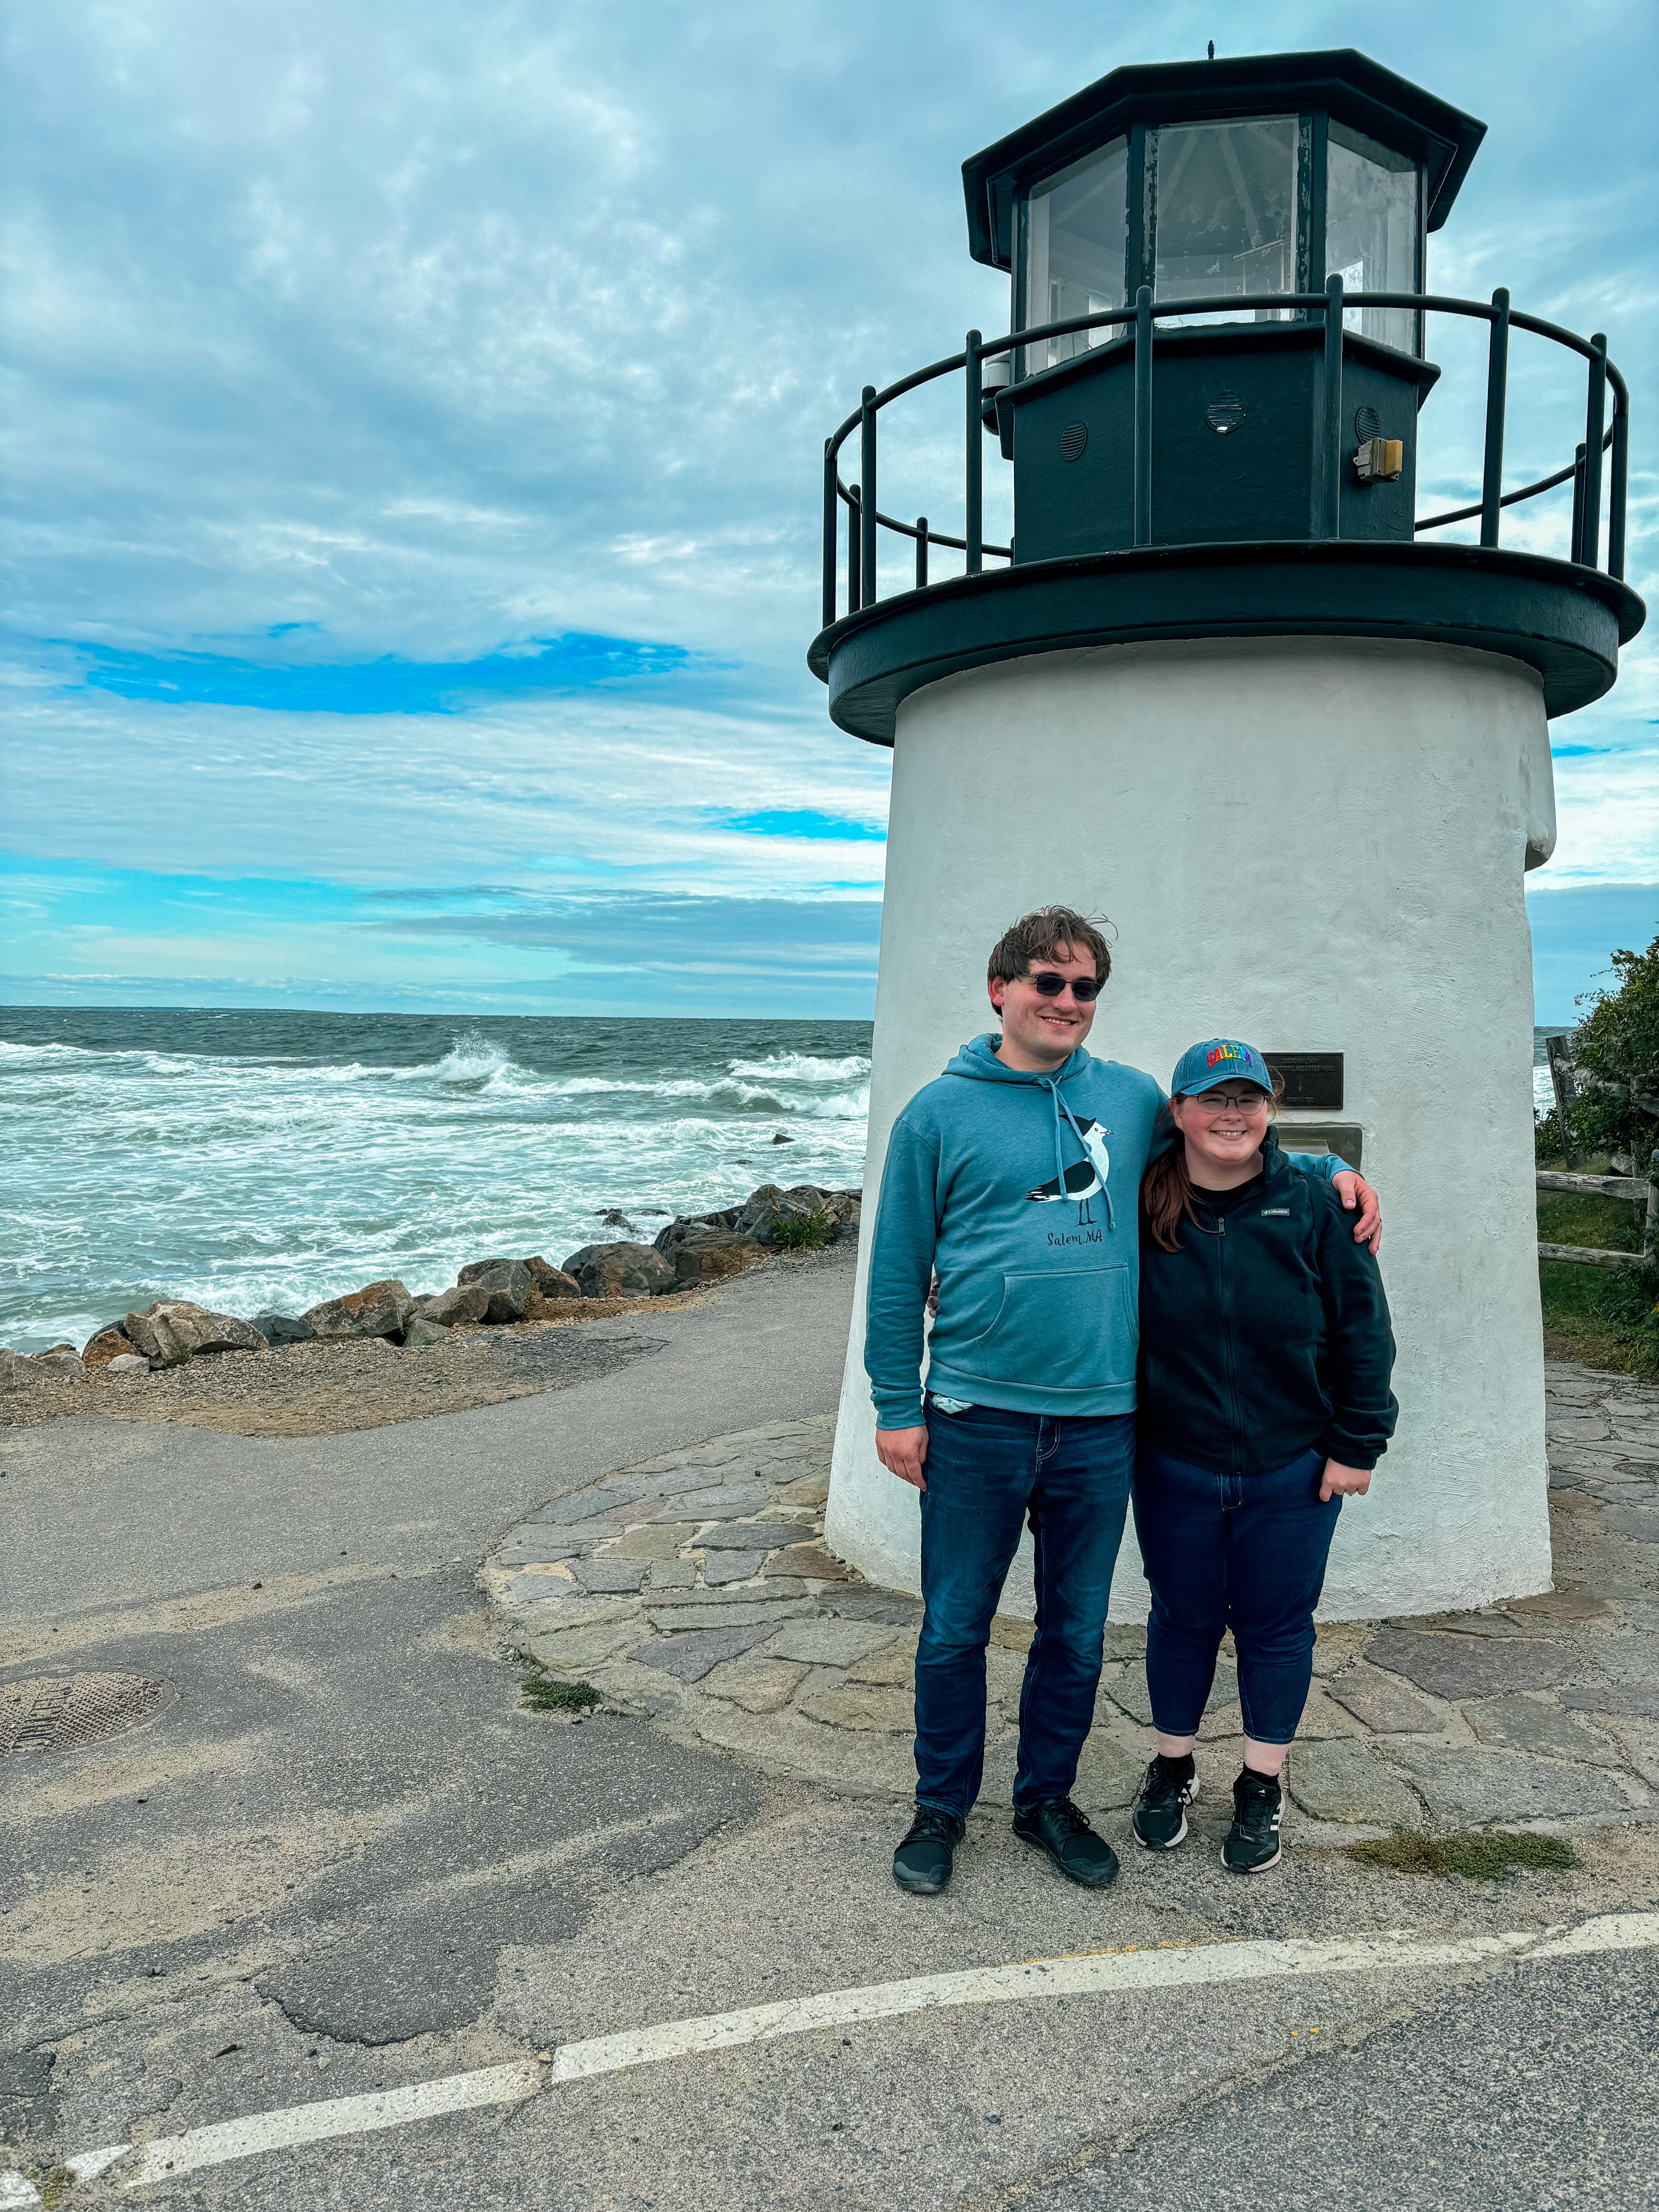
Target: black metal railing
x=865 y=518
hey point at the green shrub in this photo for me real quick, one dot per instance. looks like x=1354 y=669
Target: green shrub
x=803 y=1232
x=1480 y=1855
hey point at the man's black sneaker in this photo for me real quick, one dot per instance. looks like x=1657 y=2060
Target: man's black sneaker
x=923 y=1860
x=1159 y=1818
x=1056 y=1827
x=1252 y=1844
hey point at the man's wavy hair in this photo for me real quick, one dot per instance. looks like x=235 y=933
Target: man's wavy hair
x=1042 y=936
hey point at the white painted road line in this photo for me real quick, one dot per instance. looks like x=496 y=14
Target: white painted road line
x=1129 y=1971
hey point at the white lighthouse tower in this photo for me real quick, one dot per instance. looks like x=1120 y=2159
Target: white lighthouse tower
x=1222 y=687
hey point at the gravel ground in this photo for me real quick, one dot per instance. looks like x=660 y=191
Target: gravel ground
x=330 y=1389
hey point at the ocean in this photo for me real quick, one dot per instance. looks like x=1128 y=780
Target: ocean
x=251 y=1159
x=254 y=1159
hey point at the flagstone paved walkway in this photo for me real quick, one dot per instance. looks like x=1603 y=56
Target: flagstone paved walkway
x=695 y=1589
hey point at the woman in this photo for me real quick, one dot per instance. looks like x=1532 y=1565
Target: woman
x=1264 y=1401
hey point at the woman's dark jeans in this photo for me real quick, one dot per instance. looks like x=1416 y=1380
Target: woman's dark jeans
x=987 y=1471
x=1242 y=1552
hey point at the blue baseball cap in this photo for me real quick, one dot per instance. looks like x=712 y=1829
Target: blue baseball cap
x=1218 y=1060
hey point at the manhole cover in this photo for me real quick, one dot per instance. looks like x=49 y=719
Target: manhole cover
x=56 y=1712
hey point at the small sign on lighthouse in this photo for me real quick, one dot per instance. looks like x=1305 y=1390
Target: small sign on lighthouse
x=1227 y=686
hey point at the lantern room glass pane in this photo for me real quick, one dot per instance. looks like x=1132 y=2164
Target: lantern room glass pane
x=1222 y=201
x=1077 y=238
x=1370 y=231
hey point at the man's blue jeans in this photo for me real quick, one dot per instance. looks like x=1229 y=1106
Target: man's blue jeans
x=987 y=1471
x=1242 y=1552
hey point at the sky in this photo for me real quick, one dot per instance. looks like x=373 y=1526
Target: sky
x=413 y=430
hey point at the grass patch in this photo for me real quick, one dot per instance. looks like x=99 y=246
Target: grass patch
x=1603 y=1317
x=803 y=1232
x=542 y=1694
x=1476 y=1853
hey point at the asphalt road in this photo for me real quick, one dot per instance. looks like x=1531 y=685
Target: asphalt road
x=343 y=1860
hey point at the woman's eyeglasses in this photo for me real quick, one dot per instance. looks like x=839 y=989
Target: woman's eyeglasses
x=1212 y=1102
x=1048 y=985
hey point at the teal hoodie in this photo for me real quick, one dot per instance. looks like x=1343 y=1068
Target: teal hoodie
x=1021 y=1192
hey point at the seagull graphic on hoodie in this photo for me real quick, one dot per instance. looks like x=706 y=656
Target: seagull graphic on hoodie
x=1086 y=1178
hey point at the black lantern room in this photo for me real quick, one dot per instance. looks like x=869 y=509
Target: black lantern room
x=1242 y=183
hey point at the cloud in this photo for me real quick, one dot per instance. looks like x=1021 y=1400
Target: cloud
x=377 y=371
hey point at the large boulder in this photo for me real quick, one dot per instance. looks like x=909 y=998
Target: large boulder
x=170 y=1331
x=466 y=1301
x=378 y=1309
x=283 y=1329
x=17 y=1370
x=509 y=1284
x=552 y=1282
x=620 y=1271
x=705 y=1255
x=62 y=1364
x=422 y=1330
x=762 y=1211
x=111 y=1343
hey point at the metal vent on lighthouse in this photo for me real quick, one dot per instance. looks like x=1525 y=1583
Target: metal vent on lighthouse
x=1074 y=438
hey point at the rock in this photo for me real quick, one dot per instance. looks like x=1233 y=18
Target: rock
x=809 y=1559
x=1488 y=1622
x=780 y=1138
x=614 y=1217
x=1384 y=1703
x=725 y=1502
x=17 y=1370
x=707 y=1255
x=731 y=1566
x=749 y=1536
x=111 y=1343
x=1457 y=1667
x=173 y=1330
x=895 y=1666
x=63 y=1364
x=670 y=1574
x=761 y=1212
x=620 y=1271
x=379 y=1309
x=449 y=1308
x=1467 y=1788
x=283 y=1329
x=1343 y=1780
x=659 y=1540
x=509 y=1284
x=1638 y=1700
x=829 y=1643
x=422 y=1331
x=1633 y=1521
x=681 y=1619
x=551 y=1282
x=604 y=1570
x=861 y=1705
x=127 y=1363
x=759 y=1685
x=1562 y=1605
x=1108 y=1777
x=571 y=1650
x=1524 y=1724
x=688 y=1658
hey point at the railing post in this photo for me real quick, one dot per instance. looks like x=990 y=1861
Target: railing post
x=1616 y=487
x=1329 y=476
x=1575 y=550
x=1595 y=415
x=855 y=550
x=831 y=529
x=1558 y=1051
x=867 y=494
x=1143 y=433
x=974 y=472
x=1498 y=377
x=921 y=552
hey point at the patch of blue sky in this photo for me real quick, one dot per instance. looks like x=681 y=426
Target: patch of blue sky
x=802 y=822
x=576 y=662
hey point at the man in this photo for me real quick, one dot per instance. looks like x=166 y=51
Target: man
x=1015 y=1177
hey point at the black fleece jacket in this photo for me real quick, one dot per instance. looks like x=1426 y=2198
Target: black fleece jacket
x=1267 y=1334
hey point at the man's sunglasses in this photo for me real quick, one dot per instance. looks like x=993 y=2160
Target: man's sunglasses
x=1048 y=985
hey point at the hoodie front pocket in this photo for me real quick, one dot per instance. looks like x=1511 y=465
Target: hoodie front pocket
x=1074 y=1328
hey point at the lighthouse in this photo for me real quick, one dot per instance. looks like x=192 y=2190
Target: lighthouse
x=1224 y=685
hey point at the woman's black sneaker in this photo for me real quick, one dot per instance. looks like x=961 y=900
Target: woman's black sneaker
x=1056 y=1827
x=1252 y=1844
x=1159 y=1818
x=923 y=1860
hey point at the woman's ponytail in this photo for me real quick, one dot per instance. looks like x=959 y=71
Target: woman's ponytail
x=1166 y=1193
